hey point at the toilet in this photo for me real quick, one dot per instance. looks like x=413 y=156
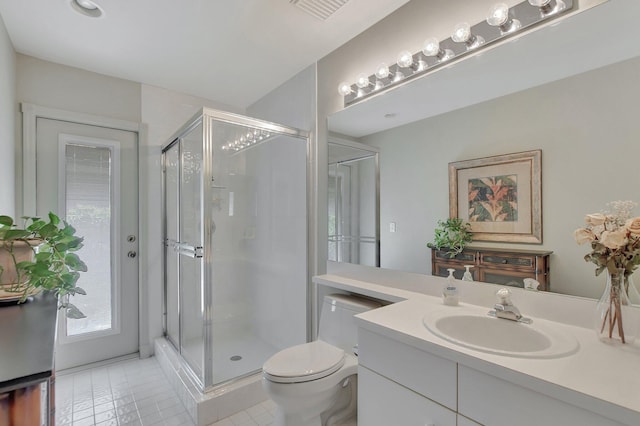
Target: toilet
x=315 y=384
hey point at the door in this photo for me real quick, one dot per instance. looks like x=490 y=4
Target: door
x=88 y=175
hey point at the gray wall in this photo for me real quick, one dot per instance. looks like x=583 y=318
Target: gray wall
x=294 y=104
x=587 y=127
x=7 y=122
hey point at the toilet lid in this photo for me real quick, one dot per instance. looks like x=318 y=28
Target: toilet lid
x=303 y=363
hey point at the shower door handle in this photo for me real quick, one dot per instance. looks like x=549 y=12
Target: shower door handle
x=184 y=249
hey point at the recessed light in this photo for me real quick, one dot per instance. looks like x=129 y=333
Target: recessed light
x=87 y=8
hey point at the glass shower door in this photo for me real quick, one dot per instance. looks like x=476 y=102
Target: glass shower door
x=258 y=214
x=192 y=303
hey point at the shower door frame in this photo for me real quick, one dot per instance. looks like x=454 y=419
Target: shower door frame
x=206 y=116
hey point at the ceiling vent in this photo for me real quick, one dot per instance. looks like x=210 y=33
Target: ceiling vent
x=321 y=9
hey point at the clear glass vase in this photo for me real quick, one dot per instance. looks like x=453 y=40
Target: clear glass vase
x=615 y=319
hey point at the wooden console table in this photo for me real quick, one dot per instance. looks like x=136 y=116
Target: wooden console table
x=500 y=266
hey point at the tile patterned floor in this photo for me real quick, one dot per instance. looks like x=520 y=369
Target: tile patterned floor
x=133 y=392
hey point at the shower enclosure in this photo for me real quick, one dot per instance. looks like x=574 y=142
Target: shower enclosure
x=235 y=219
x=353 y=201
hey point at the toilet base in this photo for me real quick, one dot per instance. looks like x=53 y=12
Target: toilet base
x=341 y=407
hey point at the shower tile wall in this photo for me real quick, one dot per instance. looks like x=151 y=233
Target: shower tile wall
x=278 y=285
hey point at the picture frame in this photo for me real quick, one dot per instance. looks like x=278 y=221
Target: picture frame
x=499 y=196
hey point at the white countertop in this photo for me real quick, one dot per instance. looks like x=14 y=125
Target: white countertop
x=599 y=377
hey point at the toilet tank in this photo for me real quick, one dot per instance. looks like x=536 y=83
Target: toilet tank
x=337 y=322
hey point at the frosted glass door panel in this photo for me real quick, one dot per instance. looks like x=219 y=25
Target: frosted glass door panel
x=89 y=184
x=191 y=290
x=172 y=238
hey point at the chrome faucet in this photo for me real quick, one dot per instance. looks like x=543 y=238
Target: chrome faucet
x=505 y=309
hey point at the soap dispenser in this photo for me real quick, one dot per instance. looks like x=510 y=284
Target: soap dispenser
x=450 y=290
x=467 y=273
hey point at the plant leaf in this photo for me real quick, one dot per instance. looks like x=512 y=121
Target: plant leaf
x=79 y=290
x=54 y=219
x=73 y=312
x=73 y=262
x=15 y=234
x=6 y=220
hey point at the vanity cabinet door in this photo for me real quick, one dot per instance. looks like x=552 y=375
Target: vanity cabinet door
x=422 y=372
x=382 y=402
x=493 y=401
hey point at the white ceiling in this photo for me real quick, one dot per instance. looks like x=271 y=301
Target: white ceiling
x=230 y=51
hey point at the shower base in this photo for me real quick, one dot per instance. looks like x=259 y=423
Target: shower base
x=224 y=400
x=234 y=355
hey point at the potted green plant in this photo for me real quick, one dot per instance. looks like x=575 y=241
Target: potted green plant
x=38 y=256
x=451 y=235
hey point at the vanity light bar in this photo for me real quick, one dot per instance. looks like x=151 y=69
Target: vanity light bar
x=502 y=23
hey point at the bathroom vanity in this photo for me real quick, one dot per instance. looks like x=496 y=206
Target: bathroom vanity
x=411 y=376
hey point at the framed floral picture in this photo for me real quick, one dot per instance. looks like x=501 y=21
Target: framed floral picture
x=499 y=196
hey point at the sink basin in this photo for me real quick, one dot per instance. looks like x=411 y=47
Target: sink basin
x=541 y=339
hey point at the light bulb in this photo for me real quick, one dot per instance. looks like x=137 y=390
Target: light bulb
x=498 y=14
x=344 y=88
x=382 y=71
x=431 y=46
x=362 y=81
x=549 y=7
x=499 y=17
x=405 y=59
x=461 y=32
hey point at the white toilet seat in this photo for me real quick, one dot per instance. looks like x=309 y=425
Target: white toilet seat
x=304 y=363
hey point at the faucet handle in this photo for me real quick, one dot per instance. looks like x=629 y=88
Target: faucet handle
x=504 y=296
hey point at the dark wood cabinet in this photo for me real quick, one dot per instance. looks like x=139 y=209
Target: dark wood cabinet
x=27 y=338
x=499 y=266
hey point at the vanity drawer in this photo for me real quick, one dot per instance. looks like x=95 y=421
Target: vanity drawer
x=422 y=372
x=521 y=262
x=493 y=401
x=382 y=402
x=467 y=257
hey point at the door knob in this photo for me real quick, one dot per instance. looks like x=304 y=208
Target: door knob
x=132 y=254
